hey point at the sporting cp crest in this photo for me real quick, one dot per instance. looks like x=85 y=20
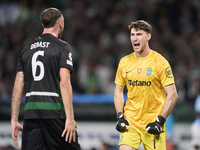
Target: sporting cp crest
x=149 y=72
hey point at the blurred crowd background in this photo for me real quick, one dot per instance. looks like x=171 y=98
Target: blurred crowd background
x=98 y=32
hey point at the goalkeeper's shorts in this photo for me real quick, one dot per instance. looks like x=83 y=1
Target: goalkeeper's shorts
x=134 y=136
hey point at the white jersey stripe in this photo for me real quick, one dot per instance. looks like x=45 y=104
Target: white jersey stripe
x=42 y=94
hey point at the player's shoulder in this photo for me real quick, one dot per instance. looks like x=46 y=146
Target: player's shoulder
x=52 y=39
x=61 y=44
x=158 y=56
x=64 y=43
x=128 y=57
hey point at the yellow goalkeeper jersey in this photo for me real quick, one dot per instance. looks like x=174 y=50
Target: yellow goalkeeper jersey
x=145 y=78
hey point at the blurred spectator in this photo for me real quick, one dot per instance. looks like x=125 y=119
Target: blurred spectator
x=195 y=128
x=92 y=83
x=105 y=74
x=170 y=145
x=9 y=12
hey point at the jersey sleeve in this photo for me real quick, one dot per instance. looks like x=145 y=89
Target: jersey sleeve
x=66 y=58
x=165 y=73
x=119 y=79
x=20 y=63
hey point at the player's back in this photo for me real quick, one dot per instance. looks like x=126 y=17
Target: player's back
x=41 y=61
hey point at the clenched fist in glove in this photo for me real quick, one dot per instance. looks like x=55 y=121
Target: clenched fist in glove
x=156 y=127
x=122 y=123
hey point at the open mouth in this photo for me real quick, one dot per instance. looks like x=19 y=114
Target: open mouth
x=136 y=45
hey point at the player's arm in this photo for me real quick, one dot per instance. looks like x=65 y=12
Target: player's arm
x=119 y=98
x=172 y=96
x=122 y=123
x=170 y=101
x=66 y=92
x=15 y=105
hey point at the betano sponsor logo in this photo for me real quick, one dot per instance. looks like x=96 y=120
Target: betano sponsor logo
x=139 y=83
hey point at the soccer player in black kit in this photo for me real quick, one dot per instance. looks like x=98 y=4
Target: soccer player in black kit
x=43 y=68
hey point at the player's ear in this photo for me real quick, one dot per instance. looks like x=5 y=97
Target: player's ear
x=60 y=24
x=148 y=36
x=42 y=25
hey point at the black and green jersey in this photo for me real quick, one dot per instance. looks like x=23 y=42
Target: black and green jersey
x=41 y=61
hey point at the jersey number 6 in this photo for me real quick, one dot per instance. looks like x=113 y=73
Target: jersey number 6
x=36 y=64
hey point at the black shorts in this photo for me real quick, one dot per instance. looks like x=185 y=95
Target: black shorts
x=45 y=134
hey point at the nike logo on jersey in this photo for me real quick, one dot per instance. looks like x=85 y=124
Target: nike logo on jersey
x=128 y=71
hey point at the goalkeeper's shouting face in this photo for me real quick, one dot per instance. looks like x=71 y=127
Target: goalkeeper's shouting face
x=139 y=39
x=140 y=34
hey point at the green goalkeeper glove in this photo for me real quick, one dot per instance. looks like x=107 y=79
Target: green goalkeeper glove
x=156 y=127
x=122 y=123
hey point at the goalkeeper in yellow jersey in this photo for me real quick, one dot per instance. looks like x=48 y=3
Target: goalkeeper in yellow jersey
x=152 y=93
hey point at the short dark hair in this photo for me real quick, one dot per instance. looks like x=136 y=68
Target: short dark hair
x=140 y=25
x=49 y=17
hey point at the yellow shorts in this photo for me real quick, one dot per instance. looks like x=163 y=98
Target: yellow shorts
x=134 y=136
